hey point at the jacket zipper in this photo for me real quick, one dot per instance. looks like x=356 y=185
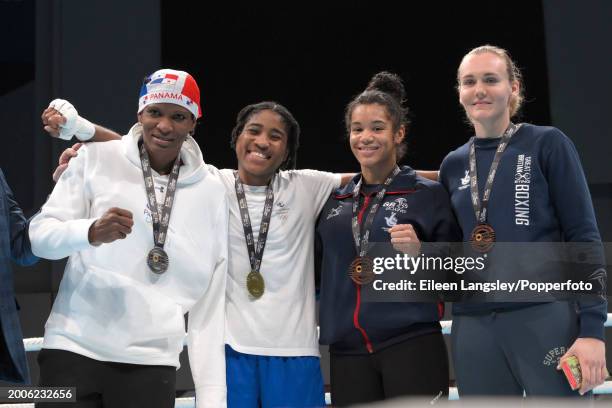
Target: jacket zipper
x=368 y=343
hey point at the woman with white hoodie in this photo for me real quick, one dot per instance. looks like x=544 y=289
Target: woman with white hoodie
x=139 y=260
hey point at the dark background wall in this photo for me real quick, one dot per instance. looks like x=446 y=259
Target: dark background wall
x=312 y=59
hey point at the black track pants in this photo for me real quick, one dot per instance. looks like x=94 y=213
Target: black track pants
x=101 y=384
x=415 y=367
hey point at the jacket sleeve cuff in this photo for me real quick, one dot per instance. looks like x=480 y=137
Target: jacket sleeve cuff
x=591 y=325
x=78 y=233
x=211 y=396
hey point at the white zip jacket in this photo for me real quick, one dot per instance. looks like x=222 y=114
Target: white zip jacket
x=110 y=306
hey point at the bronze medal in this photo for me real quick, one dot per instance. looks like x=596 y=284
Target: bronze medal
x=158 y=260
x=482 y=238
x=483 y=235
x=255 y=284
x=361 y=270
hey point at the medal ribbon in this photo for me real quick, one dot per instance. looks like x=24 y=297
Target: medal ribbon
x=361 y=241
x=160 y=225
x=480 y=207
x=255 y=251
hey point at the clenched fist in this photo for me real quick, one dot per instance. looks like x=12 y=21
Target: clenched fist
x=52 y=119
x=404 y=239
x=62 y=120
x=116 y=223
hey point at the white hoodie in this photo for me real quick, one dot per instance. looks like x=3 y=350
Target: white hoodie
x=110 y=306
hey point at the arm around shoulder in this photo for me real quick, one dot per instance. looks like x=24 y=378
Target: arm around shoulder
x=318 y=185
x=445 y=226
x=432 y=175
x=103 y=134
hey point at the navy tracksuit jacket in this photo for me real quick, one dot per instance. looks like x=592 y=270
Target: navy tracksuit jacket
x=347 y=323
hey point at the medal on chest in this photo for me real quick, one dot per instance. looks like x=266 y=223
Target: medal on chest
x=361 y=269
x=255 y=283
x=482 y=237
x=157 y=259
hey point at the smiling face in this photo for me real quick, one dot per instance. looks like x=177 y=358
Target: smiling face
x=373 y=140
x=261 y=147
x=485 y=92
x=165 y=126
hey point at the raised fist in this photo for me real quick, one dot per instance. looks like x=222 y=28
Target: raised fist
x=404 y=239
x=115 y=223
x=62 y=120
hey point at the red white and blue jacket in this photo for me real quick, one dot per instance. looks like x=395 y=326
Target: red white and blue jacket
x=348 y=324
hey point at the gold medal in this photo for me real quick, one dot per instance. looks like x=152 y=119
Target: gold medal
x=255 y=281
x=255 y=284
x=482 y=238
x=361 y=270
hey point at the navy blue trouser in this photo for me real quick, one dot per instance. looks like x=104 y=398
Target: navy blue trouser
x=514 y=352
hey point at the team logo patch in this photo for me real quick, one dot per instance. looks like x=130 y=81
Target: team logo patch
x=391 y=222
x=399 y=205
x=334 y=212
x=599 y=279
x=465 y=181
x=281 y=211
x=524 y=178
